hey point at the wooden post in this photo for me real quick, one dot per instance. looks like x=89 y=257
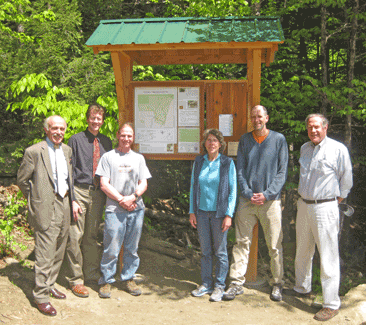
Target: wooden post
x=254 y=78
x=122 y=67
x=251 y=275
x=254 y=92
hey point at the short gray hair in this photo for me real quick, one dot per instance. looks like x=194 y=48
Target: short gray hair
x=46 y=123
x=325 y=121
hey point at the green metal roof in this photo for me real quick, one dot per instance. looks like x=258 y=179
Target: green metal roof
x=187 y=30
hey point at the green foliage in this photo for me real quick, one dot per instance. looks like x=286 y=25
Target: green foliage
x=10 y=153
x=16 y=12
x=15 y=202
x=178 y=171
x=207 y=8
x=147 y=199
x=110 y=126
x=149 y=225
x=7 y=224
x=59 y=40
x=88 y=76
x=316 y=281
x=189 y=72
x=183 y=199
x=290 y=186
x=52 y=102
x=231 y=236
x=361 y=160
x=142 y=73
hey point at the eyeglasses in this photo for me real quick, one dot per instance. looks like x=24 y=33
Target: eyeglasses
x=212 y=140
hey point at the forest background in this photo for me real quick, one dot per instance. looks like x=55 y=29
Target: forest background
x=46 y=69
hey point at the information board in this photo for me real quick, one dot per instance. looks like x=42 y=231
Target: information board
x=166 y=118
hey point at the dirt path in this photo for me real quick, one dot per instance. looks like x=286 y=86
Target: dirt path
x=166 y=283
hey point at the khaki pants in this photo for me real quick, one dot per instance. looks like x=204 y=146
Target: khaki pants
x=318 y=224
x=83 y=253
x=270 y=217
x=50 y=249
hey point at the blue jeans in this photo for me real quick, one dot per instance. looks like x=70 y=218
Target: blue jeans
x=121 y=228
x=212 y=241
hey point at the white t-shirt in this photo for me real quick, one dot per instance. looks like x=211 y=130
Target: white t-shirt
x=124 y=170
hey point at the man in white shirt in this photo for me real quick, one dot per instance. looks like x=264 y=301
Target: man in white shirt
x=325 y=180
x=124 y=177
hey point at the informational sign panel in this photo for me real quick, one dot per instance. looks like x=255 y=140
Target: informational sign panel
x=165 y=117
x=226 y=124
x=188 y=120
x=156 y=119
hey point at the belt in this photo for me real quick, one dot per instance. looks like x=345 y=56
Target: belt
x=318 y=201
x=87 y=186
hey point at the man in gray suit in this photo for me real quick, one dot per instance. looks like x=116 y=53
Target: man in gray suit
x=44 y=177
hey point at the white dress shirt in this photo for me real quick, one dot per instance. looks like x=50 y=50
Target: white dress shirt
x=325 y=170
x=59 y=167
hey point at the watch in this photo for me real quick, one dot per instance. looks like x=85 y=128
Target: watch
x=136 y=196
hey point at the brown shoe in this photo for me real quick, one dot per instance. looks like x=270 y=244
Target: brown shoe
x=47 y=309
x=105 y=291
x=54 y=293
x=79 y=290
x=325 y=314
x=132 y=288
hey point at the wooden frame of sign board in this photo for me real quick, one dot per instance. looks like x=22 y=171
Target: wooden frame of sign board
x=216 y=98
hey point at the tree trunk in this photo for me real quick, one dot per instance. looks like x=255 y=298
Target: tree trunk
x=303 y=54
x=351 y=70
x=323 y=54
x=256 y=7
x=291 y=196
x=20 y=26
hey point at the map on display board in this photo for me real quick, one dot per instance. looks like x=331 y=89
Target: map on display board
x=165 y=117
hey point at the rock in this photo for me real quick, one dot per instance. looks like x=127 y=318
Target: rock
x=354 y=304
x=10 y=260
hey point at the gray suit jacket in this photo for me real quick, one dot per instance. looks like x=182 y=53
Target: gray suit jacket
x=35 y=180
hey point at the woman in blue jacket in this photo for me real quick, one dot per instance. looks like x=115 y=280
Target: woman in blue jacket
x=212 y=205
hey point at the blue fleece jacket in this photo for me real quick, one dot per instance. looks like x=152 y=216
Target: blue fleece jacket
x=213 y=186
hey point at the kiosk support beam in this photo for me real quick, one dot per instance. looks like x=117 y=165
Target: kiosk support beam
x=122 y=67
x=254 y=92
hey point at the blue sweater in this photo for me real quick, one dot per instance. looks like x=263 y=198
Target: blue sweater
x=213 y=186
x=262 y=168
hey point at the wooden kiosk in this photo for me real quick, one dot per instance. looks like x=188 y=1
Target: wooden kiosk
x=221 y=104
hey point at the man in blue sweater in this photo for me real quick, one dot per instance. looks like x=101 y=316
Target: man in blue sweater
x=262 y=170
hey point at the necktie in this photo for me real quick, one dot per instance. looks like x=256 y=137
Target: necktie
x=96 y=157
x=60 y=172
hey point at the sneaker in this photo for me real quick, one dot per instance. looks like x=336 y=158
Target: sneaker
x=132 y=288
x=217 y=294
x=276 y=294
x=200 y=291
x=234 y=290
x=105 y=291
